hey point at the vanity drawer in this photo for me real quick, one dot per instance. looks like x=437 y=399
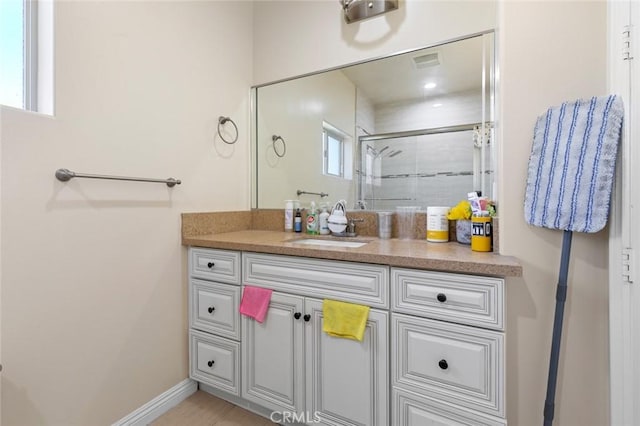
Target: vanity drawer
x=348 y=281
x=454 y=363
x=214 y=307
x=465 y=299
x=215 y=361
x=410 y=409
x=215 y=265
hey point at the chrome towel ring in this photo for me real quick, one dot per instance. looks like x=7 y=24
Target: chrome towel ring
x=275 y=138
x=223 y=120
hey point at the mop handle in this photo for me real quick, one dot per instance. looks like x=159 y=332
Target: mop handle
x=561 y=296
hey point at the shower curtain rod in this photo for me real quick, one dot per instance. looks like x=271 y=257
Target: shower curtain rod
x=432 y=131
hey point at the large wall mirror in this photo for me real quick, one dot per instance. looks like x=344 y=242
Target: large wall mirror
x=413 y=129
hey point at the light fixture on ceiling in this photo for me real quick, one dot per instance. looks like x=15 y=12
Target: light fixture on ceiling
x=438 y=105
x=357 y=10
x=430 y=85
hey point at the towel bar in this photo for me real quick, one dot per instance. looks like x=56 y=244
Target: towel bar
x=65 y=175
x=321 y=194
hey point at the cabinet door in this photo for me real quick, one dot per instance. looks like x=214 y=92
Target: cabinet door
x=272 y=356
x=347 y=381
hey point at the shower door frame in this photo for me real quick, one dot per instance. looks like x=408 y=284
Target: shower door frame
x=423 y=132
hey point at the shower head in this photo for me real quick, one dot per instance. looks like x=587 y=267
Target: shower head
x=394 y=153
x=363 y=130
x=376 y=153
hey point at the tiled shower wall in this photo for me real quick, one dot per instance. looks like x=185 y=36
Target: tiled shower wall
x=428 y=170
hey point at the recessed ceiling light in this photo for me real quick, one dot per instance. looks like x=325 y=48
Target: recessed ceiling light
x=430 y=85
x=436 y=105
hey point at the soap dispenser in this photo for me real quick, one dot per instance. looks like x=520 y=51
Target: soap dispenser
x=323 y=220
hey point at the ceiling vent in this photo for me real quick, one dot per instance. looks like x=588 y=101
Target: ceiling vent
x=426 y=61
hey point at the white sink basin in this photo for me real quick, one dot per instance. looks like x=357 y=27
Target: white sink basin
x=329 y=243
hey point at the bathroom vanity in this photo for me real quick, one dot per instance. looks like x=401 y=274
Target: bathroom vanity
x=434 y=345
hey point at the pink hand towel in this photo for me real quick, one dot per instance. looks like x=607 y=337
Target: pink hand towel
x=255 y=302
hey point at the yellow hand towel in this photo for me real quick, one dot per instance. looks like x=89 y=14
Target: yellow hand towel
x=343 y=319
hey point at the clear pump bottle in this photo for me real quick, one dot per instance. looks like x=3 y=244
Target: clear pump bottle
x=323 y=220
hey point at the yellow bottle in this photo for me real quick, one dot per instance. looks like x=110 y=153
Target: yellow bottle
x=481 y=232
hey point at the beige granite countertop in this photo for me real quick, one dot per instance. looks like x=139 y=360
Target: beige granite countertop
x=420 y=254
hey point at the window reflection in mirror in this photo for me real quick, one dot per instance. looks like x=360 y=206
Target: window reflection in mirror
x=333 y=141
x=414 y=129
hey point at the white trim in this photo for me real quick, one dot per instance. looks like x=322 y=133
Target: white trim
x=160 y=404
x=45 y=75
x=30 y=93
x=624 y=297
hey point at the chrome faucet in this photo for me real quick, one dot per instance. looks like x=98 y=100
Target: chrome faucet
x=351 y=226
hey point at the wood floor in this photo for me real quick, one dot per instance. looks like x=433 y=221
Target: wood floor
x=203 y=409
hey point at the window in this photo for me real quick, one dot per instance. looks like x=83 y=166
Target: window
x=337 y=148
x=11 y=53
x=333 y=153
x=26 y=54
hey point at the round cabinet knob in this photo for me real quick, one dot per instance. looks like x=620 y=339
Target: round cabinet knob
x=307 y=317
x=297 y=315
x=443 y=364
x=211 y=265
x=441 y=297
x=211 y=309
x=210 y=363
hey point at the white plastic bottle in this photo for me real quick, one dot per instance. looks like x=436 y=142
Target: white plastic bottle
x=437 y=224
x=288 y=215
x=323 y=221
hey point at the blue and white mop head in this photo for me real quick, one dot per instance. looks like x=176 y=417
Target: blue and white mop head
x=572 y=165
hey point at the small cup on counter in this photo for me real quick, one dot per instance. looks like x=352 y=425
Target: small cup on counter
x=384 y=224
x=406 y=216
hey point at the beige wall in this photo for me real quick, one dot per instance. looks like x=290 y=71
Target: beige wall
x=565 y=61
x=94 y=277
x=550 y=51
x=298 y=37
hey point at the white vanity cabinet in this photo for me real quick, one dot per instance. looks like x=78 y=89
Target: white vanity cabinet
x=433 y=351
x=290 y=364
x=448 y=365
x=214 y=320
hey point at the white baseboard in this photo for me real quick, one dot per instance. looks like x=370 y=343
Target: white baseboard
x=159 y=405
